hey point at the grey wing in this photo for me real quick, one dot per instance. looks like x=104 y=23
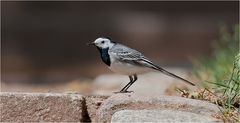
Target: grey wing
x=125 y=53
x=130 y=55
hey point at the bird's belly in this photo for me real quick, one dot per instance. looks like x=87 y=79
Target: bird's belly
x=127 y=68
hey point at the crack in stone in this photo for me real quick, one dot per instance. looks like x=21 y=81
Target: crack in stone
x=85 y=114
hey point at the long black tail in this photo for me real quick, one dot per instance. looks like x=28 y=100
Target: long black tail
x=167 y=73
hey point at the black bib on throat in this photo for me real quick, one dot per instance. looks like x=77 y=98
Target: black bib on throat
x=105 y=56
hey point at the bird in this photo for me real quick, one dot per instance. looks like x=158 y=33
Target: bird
x=124 y=60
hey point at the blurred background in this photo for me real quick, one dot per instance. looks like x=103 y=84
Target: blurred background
x=44 y=43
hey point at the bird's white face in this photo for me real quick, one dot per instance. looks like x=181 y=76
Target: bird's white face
x=103 y=43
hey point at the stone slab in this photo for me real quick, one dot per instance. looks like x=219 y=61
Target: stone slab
x=41 y=107
x=131 y=101
x=160 y=116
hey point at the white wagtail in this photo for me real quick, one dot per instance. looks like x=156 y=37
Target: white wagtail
x=127 y=61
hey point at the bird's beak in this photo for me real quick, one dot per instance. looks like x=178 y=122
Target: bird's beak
x=90 y=44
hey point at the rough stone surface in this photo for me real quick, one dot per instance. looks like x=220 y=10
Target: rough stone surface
x=41 y=107
x=160 y=116
x=53 y=107
x=93 y=103
x=132 y=101
x=154 y=83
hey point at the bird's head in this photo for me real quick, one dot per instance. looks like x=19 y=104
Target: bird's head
x=102 y=43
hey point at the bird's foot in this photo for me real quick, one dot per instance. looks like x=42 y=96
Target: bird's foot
x=123 y=92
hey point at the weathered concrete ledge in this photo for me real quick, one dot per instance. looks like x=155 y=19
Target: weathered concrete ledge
x=60 y=107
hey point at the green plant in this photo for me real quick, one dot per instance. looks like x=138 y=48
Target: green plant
x=220 y=73
x=219 y=66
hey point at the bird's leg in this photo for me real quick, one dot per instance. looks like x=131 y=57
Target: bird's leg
x=131 y=80
x=123 y=89
x=130 y=83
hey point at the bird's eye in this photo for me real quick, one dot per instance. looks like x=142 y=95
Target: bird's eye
x=102 y=42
